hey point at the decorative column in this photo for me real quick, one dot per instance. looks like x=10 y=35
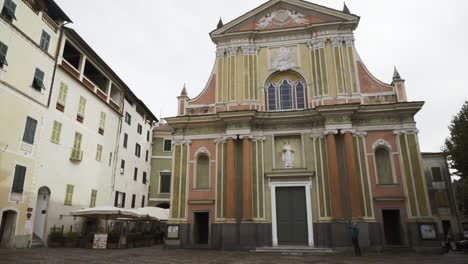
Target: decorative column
x=353 y=188
x=246 y=178
x=336 y=206
x=230 y=180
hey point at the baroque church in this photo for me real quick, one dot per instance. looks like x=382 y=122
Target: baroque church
x=293 y=138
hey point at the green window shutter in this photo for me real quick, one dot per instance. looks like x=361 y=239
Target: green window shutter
x=30 y=130
x=99 y=152
x=56 y=131
x=3 y=53
x=110 y=158
x=45 y=40
x=82 y=106
x=102 y=123
x=77 y=142
x=69 y=194
x=93 y=198
x=18 y=180
x=38 y=81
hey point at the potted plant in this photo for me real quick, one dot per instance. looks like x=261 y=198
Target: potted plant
x=113 y=240
x=72 y=239
x=56 y=239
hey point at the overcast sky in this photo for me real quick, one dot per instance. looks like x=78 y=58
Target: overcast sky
x=156 y=46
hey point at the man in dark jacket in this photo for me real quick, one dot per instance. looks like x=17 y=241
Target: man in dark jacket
x=355 y=238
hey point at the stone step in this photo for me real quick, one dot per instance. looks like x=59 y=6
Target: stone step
x=292 y=250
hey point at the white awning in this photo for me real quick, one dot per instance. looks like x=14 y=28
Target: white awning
x=152 y=212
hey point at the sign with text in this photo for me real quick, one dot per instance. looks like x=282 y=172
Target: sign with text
x=100 y=241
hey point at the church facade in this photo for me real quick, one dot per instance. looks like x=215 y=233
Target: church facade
x=292 y=138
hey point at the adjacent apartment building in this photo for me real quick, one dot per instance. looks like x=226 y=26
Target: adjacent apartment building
x=29 y=41
x=441 y=195
x=77 y=136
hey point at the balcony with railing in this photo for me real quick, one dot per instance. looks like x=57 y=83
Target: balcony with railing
x=83 y=70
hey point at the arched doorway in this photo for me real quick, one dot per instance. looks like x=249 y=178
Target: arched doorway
x=42 y=207
x=8 y=228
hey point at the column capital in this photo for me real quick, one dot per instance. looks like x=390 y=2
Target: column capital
x=232 y=51
x=250 y=50
x=349 y=40
x=317 y=134
x=258 y=138
x=316 y=42
x=181 y=141
x=220 y=52
x=330 y=132
x=336 y=40
x=406 y=131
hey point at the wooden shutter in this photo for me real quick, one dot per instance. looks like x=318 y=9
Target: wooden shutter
x=29 y=130
x=56 y=131
x=116 y=200
x=102 y=123
x=18 y=180
x=62 y=96
x=143 y=201
x=93 y=198
x=82 y=106
x=77 y=142
x=99 y=152
x=69 y=194
x=123 y=200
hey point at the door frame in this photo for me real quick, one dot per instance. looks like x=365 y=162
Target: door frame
x=307 y=185
x=15 y=228
x=403 y=240
x=192 y=229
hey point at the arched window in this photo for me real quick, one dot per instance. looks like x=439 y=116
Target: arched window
x=285 y=95
x=285 y=91
x=383 y=164
x=202 y=177
x=300 y=98
x=271 y=97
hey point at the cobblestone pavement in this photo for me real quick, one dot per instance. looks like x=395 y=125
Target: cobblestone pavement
x=156 y=254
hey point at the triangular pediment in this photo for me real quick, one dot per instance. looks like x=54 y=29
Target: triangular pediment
x=284 y=14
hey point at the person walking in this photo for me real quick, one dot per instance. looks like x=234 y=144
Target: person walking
x=355 y=238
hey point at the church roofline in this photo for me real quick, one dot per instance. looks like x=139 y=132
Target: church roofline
x=300 y=3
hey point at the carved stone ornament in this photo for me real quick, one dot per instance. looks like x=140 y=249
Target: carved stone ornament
x=202 y=150
x=283 y=60
x=281 y=18
x=381 y=143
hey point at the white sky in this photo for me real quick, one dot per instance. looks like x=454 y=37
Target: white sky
x=155 y=46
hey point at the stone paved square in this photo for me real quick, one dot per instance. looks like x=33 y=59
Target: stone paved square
x=157 y=254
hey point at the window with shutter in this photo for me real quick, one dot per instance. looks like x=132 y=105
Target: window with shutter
x=167 y=146
x=45 y=40
x=143 y=201
x=82 y=106
x=128 y=118
x=436 y=174
x=102 y=123
x=165 y=183
x=123 y=200
x=133 y=200
x=29 y=130
x=137 y=150
x=99 y=152
x=146 y=156
x=3 y=53
x=56 y=131
x=125 y=140
x=144 y=178
x=147 y=136
x=135 y=174
x=76 y=152
x=8 y=10
x=122 y=167
x=69 y=195
x=110 y=158
x=38 y=81
x=116 y=199
x=62 y=96
x=18 y=180
x=139 y=129
x=92 y=203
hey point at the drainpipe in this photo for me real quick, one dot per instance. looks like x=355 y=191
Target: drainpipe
x=117 y=145
x=57 y=52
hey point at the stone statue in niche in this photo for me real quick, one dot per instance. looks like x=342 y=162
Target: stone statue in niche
x=287 y=155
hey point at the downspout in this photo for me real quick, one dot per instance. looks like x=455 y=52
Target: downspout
x=116 y=151
x=57 y=52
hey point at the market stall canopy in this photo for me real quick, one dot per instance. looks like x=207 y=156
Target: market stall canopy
x=108 y=212
x=152 y=212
